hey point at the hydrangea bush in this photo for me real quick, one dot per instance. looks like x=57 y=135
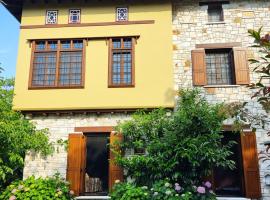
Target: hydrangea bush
x=41 y=188
x=162 y=190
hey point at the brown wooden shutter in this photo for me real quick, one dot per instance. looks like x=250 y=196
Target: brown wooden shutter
x=250 y=165
x=115 y=171
x=241 y=66
x=199 y=67
x=76 y=162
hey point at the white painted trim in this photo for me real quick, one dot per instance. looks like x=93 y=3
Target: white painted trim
x=92 y=197
x=232 y=198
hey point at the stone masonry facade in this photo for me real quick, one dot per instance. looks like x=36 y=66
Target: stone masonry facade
x=191 y=27
x=60 y=127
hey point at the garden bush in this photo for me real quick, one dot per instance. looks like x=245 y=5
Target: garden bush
x=182 y=146
x=162 y=190
x=17 y=136
x=54 y=188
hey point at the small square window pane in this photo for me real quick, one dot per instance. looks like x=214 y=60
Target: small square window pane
x=52 y=45
x=40 y=45
x=127 y=43
x=78 y=44
x=116 y=43
x=65 y=44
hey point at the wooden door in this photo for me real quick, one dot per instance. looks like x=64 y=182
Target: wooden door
x=251 y=165
x=76 y=162
x=115 y=171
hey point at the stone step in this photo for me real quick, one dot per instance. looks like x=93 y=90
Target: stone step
x=93 y=198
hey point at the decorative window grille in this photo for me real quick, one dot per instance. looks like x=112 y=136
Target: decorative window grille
x=57 y=63
x=51 y=17
x=122 y=14
x=219 y=67
x=215 y=13
x=121 y=62
x=74 y=16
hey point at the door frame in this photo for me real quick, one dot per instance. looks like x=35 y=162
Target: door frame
x=94 y=129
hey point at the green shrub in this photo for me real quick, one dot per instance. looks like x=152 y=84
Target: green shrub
x=183 y=146
x=128 y=191
x=162 y=190
x=53 y=188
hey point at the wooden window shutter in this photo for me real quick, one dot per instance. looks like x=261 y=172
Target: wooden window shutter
x=115 y=171
x=250 y=165
x=241 y=66
x=199 y=67
x=76 y=162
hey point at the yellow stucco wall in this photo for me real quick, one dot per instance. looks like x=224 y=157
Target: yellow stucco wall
x=153 y=59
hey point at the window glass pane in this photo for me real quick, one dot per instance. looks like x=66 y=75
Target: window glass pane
x=40 y=45
x=52 y=45
x=44 y=69
x=78 y=44
x=70 y=68
x=215 y=13
x=65 y=44
x=116 y=43
x=127 y=43
x=219 y=67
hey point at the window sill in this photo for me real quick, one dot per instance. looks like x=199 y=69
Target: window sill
x=213 y=23
x=232 y=198
x=60 y=87
x=121 y=86
x=221 y=86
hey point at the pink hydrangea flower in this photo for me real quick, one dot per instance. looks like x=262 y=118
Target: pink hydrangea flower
x=12 y=198
x=201 y=190
x=208 y=184
x=177 y=187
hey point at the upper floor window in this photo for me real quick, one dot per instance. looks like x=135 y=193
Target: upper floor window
x=51 y=16
x=215 y=12
x=122 y=14
x=121 y=64
x=57 y=64
x=74 y=16
x=219 y=67
x=222 y=66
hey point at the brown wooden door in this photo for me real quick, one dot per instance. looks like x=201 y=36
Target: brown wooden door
x=115 y=172
x=250 y=165
x=76 y=162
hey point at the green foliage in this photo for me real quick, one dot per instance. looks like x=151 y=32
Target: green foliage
x=17 y=136
x=161 y=190
x=183 y=146
x=127 y=191
x=39 y=189
x=262 y=67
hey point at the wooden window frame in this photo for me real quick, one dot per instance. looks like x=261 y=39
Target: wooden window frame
x=110 y=73
x=58 y=51
x=236 y=48
x=46 y=15
x=80 y=18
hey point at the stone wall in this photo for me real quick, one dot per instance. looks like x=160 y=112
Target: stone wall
x=191 y=27
x=59 y=128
